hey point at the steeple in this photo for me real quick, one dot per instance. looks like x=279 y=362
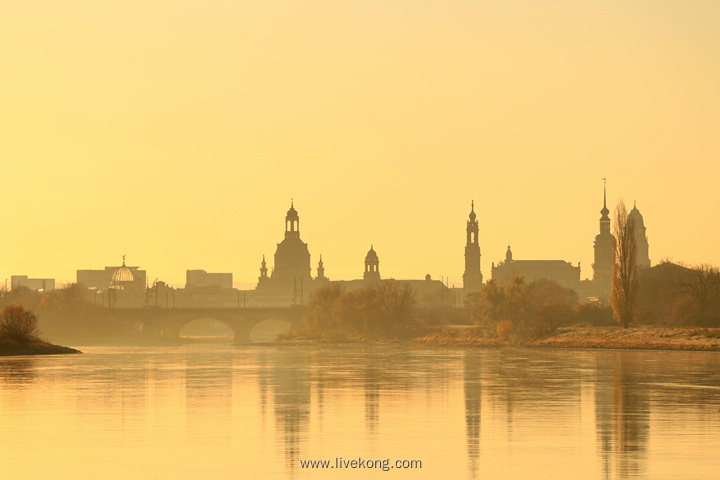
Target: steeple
x=472 y=278
x=604 y=212
x=263 y=268
x=604 y=219
x=320 y=269
x=603 y=252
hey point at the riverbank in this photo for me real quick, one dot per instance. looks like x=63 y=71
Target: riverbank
x=33 y=347
x=635 y=338
x=583 y=337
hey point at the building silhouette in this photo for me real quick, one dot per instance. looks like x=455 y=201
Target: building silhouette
x=642 y=258
x=121 y=286
x=38 y=284
x=559 y=271
x=472 y=278
x=372 y=267
x=603 y=246
x=291 y=272
x=201 y=278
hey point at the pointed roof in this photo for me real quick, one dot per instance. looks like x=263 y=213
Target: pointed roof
x=604 y=210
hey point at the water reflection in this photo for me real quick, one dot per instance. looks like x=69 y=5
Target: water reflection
x=17 y=372
x=465 y=413
x=473 y=409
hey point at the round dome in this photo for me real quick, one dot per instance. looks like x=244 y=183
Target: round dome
x=371 y=255
x=292 y=214
x=123 y=274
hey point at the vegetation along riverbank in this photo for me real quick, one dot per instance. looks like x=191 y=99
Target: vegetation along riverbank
x=19 y=334
x=515 y=313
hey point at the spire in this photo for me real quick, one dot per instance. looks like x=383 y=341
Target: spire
x=472 y=211
x=604 y=212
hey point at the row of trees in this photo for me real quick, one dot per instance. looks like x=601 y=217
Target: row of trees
x=385 y=308
x=519 y=309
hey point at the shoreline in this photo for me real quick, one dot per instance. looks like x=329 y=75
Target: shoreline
x=646 y=338
x=10 y=348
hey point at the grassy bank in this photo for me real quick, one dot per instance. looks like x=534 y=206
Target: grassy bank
x=32 y=347
x=637 y=338
x=587 y=337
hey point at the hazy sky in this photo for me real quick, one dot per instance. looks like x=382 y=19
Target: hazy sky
x=177 y=132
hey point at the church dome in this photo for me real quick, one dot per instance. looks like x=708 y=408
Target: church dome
x=472 y=212
x=123 y=274
x=292 y=214
x=371 y=255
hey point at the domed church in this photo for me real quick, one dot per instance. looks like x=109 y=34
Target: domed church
x=291 y=273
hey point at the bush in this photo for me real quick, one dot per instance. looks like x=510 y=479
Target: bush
x=18 y=324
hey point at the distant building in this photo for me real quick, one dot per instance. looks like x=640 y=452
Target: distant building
x=201 y=278
x=423 y=288
x=603 y=247
x=129 y=278
x=372 y=267
x=560 y=271
x=115 y=287
x=472 y=278
x=38 y=284
x=290 y=276
x=321 y=280
x=641 y=242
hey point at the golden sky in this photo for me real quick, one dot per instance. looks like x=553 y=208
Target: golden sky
x=177 y=132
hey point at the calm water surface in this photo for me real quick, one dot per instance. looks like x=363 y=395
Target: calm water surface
x=221 y=411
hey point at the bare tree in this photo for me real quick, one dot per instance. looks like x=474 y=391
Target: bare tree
x=702 y=288
x=624 y=274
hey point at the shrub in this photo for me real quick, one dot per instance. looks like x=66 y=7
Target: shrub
x=18 y=324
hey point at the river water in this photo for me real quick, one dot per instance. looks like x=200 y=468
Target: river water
x=222 y=411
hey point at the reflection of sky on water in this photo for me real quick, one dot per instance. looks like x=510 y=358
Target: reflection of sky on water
x=500 y=413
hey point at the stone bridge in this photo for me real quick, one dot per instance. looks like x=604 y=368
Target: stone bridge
x=167 y=322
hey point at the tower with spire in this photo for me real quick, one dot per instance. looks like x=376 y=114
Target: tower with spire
x=472 y=278
x=263 y=278
x=603 y=246
x=321 y=279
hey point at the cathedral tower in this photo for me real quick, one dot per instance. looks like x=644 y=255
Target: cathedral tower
x=603 y=245
x=642 y=256
x=291 y=273
x=372 y=266
x=472 y=278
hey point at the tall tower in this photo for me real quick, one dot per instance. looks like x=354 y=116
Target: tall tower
x=472 y=278
x=603 y=245
x=642 y=257
x=291 y=273
x=321 y=269
x=263 y=278
x=372 y=266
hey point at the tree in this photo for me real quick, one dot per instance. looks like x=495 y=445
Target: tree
x=524 y=309
x=624 y=274
x=700 y=301
x=18 y=324
x=319 y=312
